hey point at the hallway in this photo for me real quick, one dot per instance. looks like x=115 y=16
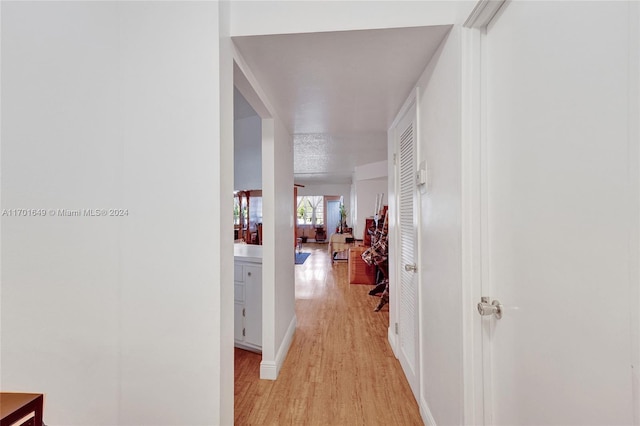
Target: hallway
x=340 y=369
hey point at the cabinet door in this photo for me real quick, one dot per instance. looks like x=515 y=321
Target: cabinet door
x=253 y=304
x=238 y=321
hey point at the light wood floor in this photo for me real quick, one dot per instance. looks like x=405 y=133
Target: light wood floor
x=340 y=369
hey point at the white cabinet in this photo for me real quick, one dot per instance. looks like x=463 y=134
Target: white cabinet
x=248 y=304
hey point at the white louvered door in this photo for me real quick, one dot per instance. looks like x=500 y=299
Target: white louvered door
x=408 y=288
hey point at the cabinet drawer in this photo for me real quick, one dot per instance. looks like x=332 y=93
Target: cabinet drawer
x=237 y=273
x=238 y=292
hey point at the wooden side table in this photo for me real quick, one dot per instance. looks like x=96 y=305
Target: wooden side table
x=15 y=406
x=359 y=271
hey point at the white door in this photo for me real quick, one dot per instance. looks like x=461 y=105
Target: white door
x=253 y=305
x=238 y=321
x=407 y=227
x=333 y=216
x=558 y=223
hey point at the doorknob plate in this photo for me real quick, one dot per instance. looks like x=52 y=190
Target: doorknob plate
x=498 y=312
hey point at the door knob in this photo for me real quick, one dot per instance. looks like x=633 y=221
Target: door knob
x=411 y=267
x=494 y=308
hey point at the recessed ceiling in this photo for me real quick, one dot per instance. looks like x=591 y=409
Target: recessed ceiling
x=338 y=92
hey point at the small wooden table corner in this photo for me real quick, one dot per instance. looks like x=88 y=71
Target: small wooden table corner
x=15 y=406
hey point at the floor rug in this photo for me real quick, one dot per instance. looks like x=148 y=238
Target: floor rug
x=301 y=257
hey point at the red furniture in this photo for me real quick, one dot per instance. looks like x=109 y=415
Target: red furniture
x=16 y=406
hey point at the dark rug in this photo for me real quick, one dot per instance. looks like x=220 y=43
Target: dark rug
x=301 y=257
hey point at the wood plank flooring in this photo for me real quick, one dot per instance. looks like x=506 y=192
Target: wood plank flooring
x=340 y=369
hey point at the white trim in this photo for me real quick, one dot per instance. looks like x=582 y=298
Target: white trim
x=471 y=267
x=408 y=109
x=634 y=164
x=411 y=99
x=425 y=413
x=224 y=244
x=420 y=156
x=248 y=346
x=393 y=241
x=486 y=367
x=393 y=340
x=269 y=370
x=250 y=88
x=484 y=12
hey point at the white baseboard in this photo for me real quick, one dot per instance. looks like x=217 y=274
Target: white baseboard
x=286 y=344
x=425 y=413
x=269 y=370
x=393 y=341
x=248 y=347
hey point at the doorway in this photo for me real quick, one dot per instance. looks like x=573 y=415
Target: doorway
x=333 y=215
x=407 y=295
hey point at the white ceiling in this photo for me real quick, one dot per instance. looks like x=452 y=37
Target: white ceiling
x=338 y=92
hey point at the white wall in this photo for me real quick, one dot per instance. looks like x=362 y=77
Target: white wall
x=116 y=320
x=247 y=160
x=278 y=307
x=441 y=388
x=438 y=109
x=223 y=185
x=634 y=134
x=371 y=171
x=369 y=181
x=366 y=192
x=283 y=238
x=278 y=284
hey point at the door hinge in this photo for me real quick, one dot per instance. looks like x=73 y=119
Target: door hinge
x=396 y=328
x=243 y=332
x=394 y=159
x=244 y=312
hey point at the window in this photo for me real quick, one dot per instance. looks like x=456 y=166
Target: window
x=236 y=211
x=311 y=210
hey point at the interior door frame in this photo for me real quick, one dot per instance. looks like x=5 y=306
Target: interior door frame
x=327 y=199
x=411 y=104
x=478 y=403
x=473 y=221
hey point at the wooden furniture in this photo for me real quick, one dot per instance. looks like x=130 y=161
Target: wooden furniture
x=15 y=407
x=359 y=271
x=247 y=286
x=295 y=215
x=248 y=229
x=321 y=235
x=339 y=243
x=369 y=224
